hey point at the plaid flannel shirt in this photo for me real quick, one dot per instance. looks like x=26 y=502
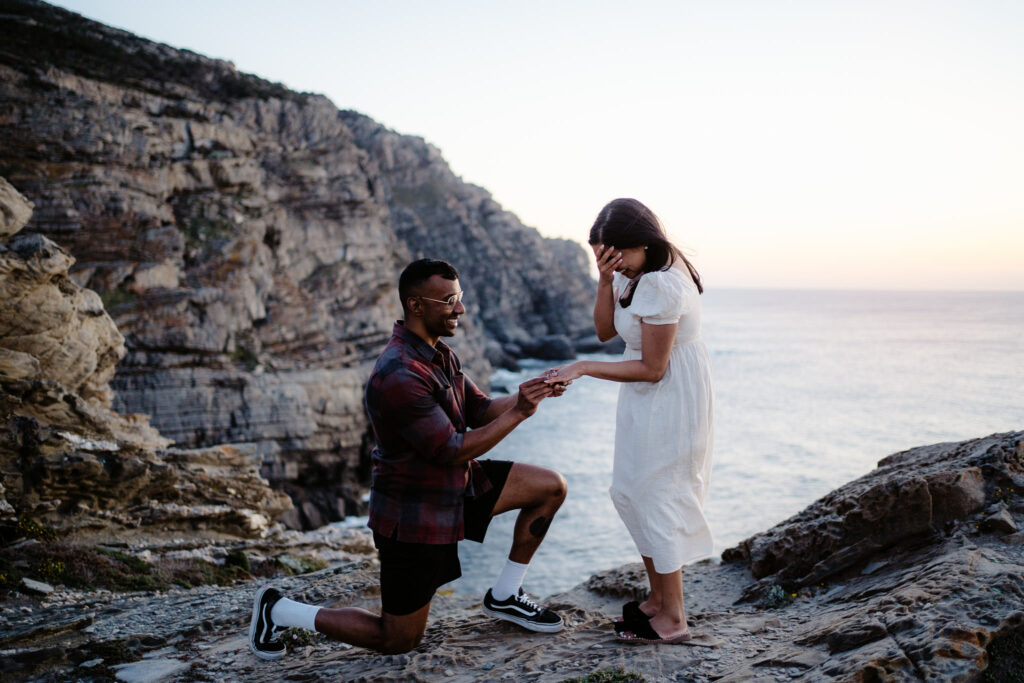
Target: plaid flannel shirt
x=420 y=405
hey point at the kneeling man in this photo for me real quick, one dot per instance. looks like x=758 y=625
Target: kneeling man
x=429 y=491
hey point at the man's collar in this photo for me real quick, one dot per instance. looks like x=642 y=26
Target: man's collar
x=418 y=343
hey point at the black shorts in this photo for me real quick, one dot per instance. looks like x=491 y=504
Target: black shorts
x=410 y=573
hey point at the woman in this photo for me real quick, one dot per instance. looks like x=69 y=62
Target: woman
x=649 y=294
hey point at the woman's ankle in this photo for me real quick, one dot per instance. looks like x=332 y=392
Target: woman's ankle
x=650 y=607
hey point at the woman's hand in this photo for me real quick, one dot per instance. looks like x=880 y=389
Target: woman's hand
x=609 y=260
x=564 y=374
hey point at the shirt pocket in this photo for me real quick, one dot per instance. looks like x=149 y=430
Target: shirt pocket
x=446 y=398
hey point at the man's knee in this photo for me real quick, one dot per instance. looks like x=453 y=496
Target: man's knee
x=401 y=634
x=557 y=487
x=397 y=645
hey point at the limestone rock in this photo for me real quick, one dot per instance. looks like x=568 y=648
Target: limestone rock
x=1000 y=520
x=15 y=210
x=909 y=496
x=50 y=328
x=151 y=670
x=69 y=461
x=37 y=587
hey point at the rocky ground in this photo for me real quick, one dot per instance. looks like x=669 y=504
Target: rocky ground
x=944 y=604
x=200 y=634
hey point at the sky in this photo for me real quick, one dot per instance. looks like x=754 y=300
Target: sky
x=797 y=144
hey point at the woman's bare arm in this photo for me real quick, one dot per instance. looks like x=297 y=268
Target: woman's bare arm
x=656 y=346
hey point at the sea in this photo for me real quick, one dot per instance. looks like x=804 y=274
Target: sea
x=811 y=390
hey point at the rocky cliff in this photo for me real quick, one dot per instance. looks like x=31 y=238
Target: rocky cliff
x=246 y=239
x=508 y=272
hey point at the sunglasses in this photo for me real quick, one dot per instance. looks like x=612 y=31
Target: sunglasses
x=448 y=302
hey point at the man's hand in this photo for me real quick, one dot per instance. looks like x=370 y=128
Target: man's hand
x=531 y=393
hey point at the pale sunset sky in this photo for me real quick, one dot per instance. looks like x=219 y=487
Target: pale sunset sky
x=802 y=143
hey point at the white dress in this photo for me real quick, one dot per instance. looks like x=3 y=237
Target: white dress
x=663 y=430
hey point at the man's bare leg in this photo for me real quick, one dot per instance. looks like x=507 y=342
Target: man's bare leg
x=538 y=493
x=386 y=633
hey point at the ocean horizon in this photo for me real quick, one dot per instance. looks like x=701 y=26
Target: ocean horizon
x=812 y=389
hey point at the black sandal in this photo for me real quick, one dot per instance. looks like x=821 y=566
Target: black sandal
x=632 y=615
x=645 y=633
x=631 y=612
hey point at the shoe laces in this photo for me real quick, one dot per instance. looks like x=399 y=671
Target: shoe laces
x=526 y=600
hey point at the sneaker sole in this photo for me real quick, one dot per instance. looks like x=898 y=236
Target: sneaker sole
x=270 y=656
x=525 y=623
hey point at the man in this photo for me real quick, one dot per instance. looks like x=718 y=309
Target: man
x=428 y=490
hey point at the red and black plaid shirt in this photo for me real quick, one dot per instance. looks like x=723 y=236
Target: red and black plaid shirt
x=420 y=405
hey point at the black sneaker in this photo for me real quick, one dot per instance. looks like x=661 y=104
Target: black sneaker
x=520 y=609
x=261 y=628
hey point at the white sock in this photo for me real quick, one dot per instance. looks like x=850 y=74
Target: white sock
x=290 y=613
x=509 y=581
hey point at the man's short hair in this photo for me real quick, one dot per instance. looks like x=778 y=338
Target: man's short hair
x=418 y=272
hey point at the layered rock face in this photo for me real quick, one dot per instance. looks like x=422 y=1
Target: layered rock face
x=243 y=240
x=527 y=292
x=65 y=457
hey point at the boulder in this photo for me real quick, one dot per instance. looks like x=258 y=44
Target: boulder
x=554 y=347
x=591 y=344
x=15 y=210
x=911 y=496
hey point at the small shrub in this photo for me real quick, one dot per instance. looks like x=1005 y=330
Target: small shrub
x=95 y=568
x=299 y=637
x=238 y=558
x=266 y=568
x=189 y=573
x=52 y=570
x=300 y=565
x=30 y=528
x=10 y=578
x=776 y=597
x=201 y=230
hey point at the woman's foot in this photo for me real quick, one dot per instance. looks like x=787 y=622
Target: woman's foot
x=670 y=629
x=644 y=632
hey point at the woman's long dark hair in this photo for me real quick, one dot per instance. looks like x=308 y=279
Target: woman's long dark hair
x=627 y=223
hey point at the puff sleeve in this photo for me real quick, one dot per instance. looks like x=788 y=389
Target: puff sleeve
x=663 y=297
